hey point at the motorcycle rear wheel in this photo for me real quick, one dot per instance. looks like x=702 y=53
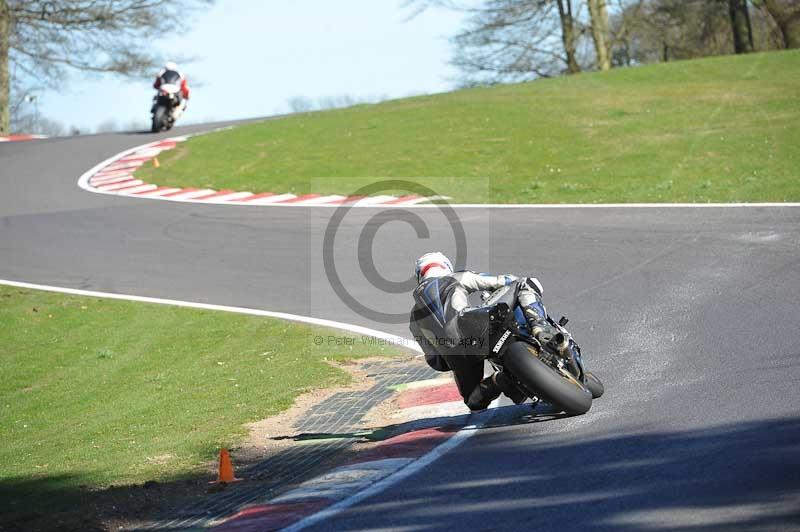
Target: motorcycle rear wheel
x=159 y=119
x=558 y=388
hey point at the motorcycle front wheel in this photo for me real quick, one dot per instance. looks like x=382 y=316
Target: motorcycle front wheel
x=159 y=119
x=594 y=385
x=557 y=387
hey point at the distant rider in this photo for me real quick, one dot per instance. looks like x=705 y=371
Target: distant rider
x=452 y=334
x=171 y=75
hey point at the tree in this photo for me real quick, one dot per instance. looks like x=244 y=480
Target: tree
x=569 y=34
x=37 y=124
x=44 y=39
x=511 y=40
x=5 y=80
x=600 y=33
x=786 y=14
x=300 y=104
x=645 y=31
x=740 y=26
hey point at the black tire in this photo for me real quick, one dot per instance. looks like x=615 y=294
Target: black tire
x=159 y=119
x=594 y=385
x=562 y=391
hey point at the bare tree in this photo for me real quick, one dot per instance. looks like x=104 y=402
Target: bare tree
x=645 y=31
x=338 y=102
x=741 y=28
x=5 y=80
x=512 y=40
x=569 y=34
x=600 y=33
x=300 y=104
x=44 y=39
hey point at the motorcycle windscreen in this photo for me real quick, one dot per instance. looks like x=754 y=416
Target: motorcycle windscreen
x=170 y=77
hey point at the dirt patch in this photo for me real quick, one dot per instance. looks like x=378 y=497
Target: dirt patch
x=277 y=432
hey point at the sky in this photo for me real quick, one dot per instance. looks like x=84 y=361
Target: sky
x=252 y=56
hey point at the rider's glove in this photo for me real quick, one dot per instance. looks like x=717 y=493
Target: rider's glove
x=510 y=279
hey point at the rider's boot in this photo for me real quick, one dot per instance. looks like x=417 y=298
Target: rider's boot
x=490 y=389
x=509 y=387
x=483 y=394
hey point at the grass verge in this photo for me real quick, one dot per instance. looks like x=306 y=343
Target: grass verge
x=96 y=392
x=718 y=129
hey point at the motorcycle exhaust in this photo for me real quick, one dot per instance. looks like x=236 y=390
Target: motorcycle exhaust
x=560 y=343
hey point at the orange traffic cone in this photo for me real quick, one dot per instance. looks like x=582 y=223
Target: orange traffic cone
x=156 y=164
x=225 y=475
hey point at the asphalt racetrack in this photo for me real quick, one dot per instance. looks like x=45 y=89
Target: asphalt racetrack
x=689 y=315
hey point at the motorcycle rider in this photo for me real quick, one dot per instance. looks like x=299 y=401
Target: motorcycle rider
x=451 y=334
x=171 y=75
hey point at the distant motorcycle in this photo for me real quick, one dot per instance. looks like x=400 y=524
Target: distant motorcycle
x=552 y=371
x=167 y=105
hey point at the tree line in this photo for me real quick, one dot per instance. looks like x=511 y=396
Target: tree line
x=42 y=41
x=514 y=40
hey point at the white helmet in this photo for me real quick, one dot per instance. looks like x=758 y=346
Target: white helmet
x=433 y=264
x=170 y=65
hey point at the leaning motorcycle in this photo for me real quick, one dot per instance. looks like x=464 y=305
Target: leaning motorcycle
x=553 y=370
x=165 y=107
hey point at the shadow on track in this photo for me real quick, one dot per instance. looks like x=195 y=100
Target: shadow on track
x=500 y=417
x=732 y=477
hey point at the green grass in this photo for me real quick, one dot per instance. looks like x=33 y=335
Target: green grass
x=97 y=392
x=719 y=129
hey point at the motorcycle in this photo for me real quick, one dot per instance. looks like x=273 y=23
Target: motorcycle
x=552 y=371
x=166 y=105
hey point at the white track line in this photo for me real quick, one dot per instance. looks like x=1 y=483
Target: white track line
x=229 y=197
x=124 y=166
x=192 y=194
x=113 y=173
x=325 y=199
x=608 y=205
x=160 y=192
x=270 y=199
x=413 y=467
x=357 y=329
x=97 y=182
x=370 y=200
x=122 y=184
x=420 y=463
x=144 y=187
x=144 y=153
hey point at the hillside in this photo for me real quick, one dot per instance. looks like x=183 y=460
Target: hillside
x=718 y=129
